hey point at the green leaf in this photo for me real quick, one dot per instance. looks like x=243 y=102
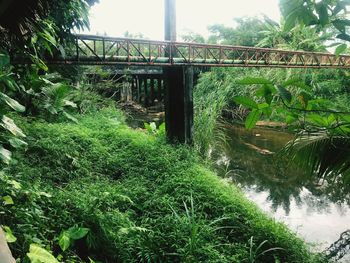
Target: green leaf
x=321 y=9
x=70 y=103
x=251 y=81
x=38 y=254
x=339 y=25
x=17 y=143
x=252 y=119
x=40 y=63
x=263 y=106
x=12 y=103
x=8 y=200
x=285 y=94
x=76 y=232
x=10 y=83
x=8 y=124
x=267 y=111
x=344 y=36
x=64 y=241
x=5 y=155
x=10 y=238
x=290 y=21
x=151 y=127
x=16 y=185
x=340 y=49
x=245 y=101
x=4 y=60
x=317 y=119
x=70 y=117
x=290 y=119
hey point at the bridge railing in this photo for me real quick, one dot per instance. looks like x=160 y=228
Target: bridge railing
x=89 y=49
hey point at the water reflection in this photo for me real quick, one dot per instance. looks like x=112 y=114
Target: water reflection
x=317 y=209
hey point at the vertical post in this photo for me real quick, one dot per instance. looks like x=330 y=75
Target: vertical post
x=152 y=91
x=104 y=48
x=133 y=91
x=179 y=88
x=146 y=104
x=188 y=104
x=170 y=20
x=159 y=91
x=138 y=84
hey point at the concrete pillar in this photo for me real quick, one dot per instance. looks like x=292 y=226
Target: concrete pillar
x=179 y=88
x=179 y=104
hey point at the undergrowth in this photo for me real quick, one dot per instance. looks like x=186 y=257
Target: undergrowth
x=141 y=199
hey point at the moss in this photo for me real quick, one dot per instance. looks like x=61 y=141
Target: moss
x=142 y=199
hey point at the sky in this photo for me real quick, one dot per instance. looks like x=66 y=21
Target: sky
x=115 y=17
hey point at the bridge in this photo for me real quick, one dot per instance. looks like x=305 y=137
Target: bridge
x=177 y=60
x=104 y=50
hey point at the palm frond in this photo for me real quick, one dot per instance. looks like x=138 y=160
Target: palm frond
x=320 y=153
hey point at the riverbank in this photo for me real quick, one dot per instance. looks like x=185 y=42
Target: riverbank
x=316 y=209
x=141 y=199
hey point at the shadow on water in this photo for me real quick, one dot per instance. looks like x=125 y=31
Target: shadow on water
x=318 y=210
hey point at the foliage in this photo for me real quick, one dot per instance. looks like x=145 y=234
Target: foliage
x=130 y=190
x=210 y=98
x=152 y=129
x=19 y=20
x=300 y=37
x=38 y=254
x=11 y=136
x=323 y=145
x=46 y=95
x=67 y=237
x=255 y=253
x=325 y=15
x=246 y=33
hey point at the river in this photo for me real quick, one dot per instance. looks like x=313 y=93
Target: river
x=316 y=210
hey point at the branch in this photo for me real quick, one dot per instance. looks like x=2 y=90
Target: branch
x=321 y=111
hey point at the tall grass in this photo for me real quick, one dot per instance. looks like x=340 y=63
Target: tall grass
x=141 y=199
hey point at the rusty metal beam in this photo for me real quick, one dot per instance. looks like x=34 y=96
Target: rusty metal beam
x=140 y=52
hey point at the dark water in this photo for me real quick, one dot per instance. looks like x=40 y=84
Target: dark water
x=317 y=211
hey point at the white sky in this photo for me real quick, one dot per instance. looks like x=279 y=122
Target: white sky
x=114 y=17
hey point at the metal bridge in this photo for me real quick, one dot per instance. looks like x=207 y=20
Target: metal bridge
x=97 y=50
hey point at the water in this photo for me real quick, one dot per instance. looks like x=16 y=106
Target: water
x=318 y=211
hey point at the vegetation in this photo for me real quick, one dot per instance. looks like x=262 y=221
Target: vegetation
x=138 y=198
x=75 y=180
x=277 y=95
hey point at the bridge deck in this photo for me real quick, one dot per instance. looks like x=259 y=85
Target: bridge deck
x=90 y=50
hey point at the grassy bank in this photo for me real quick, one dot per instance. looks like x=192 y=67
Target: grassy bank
x=141 y=199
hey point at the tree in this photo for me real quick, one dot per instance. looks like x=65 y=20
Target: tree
x=326 y=15
x=246 y=33
x=300 y=37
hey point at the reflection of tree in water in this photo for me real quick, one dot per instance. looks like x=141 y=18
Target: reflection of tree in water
x=252 y=165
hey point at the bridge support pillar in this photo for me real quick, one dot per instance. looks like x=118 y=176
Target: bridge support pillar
x=179 y=104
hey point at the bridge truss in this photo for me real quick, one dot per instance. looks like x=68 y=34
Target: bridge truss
x=95 y=50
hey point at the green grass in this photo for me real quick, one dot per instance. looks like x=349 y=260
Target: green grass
x=142 y=199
